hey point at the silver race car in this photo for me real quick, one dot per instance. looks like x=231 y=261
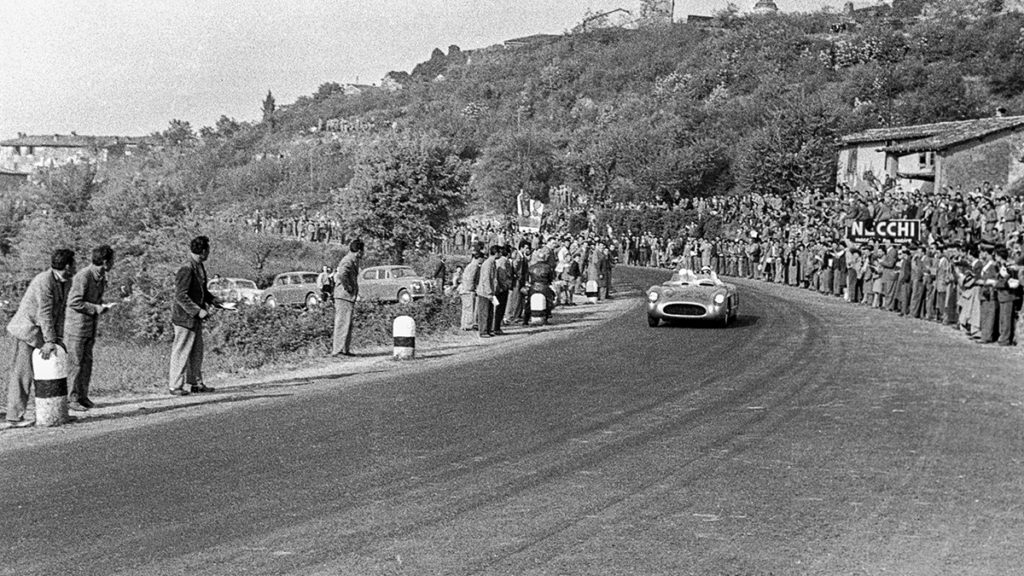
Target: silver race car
x=690 y=295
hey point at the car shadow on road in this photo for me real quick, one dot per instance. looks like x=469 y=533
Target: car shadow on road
x=741 y=321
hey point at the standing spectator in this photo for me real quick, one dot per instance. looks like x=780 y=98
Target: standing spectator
x=486 y=288
x=945 y=288
x=504 y=273
x=604 y=284
x=519 y=299
x=595 y=267
x=85 y=305
x=987 y=294
x=38 y=324
x=325 y=282
x=190 y=307
x=440 y=273
x=467 y=291
x=1006 y=295
x=346 y=291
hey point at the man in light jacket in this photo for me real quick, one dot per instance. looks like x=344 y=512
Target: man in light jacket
x=38 y=324
x=486 y=287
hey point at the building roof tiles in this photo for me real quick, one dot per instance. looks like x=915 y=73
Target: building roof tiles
x=937 y=136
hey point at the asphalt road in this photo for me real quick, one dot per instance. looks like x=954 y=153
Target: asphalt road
x=811 y=437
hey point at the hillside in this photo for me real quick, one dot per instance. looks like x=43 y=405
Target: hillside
x=645 y=116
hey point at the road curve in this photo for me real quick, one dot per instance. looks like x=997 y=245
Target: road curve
x=811 y=437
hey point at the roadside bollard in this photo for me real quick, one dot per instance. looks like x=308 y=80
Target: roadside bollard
x=539 y=308
x=51 y=377
x=404 y=333
x=592 y=291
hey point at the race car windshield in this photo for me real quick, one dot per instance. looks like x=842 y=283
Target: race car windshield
x=687 y=277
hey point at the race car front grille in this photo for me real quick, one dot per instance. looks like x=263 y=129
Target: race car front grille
x=685 y=310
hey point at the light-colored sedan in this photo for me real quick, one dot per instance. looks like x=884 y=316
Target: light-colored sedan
x=391 y=284
x=293 y=289
x=237 y=290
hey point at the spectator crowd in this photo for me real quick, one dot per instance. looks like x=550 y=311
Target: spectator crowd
x=963 y=269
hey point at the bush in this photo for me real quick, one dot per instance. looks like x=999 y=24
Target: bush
x=257 y=335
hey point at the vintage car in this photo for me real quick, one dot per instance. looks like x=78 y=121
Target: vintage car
x=690 y=295
x=235 y=290
x=293 y=289
x=392 y=284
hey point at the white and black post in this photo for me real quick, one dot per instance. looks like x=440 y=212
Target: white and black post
x=404 y=333
x=51 y=380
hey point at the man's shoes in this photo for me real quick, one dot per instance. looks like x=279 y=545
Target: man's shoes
x=486 y=335
x=86 y=402
x=201 y=388
x=179 y=392
x=499 y=333
x=21 y=423
x=78 y=407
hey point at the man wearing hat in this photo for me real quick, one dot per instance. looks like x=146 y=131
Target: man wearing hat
x=944 y=283
x=1006 y=295
x=903 y=279
x=918 y=269
x=987 y=293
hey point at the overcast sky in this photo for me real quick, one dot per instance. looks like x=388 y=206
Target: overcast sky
x=121 y=67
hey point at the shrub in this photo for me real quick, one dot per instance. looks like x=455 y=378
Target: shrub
x=257 y=335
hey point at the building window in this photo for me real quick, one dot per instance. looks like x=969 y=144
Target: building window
x=851 y=162
x=924 y=160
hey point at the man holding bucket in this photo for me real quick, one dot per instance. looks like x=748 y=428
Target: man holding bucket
x=38 y=324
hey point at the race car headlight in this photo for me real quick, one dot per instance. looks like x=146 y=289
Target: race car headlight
x=652 y=296
x=719 y=298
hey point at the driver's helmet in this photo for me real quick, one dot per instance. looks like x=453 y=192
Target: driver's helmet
x=705 y=270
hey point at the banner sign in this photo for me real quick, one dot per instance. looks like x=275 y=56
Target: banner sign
x=899 y=231
x=529 y=212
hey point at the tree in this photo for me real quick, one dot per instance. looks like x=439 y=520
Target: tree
x=796 y=148
x=269 y=106
x=406 y=191
x=517 y=162
x=178 y=133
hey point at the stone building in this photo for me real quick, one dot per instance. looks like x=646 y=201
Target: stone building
x=933 y=156
x=26 y=153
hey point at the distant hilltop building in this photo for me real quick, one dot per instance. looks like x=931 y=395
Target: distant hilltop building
x=764 y=7
x=20 y=156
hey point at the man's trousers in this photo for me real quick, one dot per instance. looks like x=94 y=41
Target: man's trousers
x=186 y=357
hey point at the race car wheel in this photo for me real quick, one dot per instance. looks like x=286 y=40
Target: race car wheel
x=653 y=322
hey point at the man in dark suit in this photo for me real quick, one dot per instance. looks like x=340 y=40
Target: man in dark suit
x=191 y=305
x=1006 y=295
x=346 y=291
x=38 y=324
x=85 y=305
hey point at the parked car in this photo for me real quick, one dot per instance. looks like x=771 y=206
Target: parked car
x=237 y=290
x=690 y=295
x=293 y=289
x=391 y=284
